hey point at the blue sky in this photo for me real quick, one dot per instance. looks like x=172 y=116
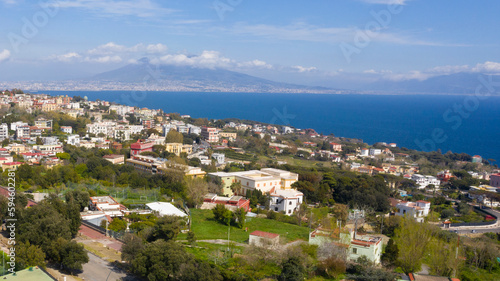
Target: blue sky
x=324 y=42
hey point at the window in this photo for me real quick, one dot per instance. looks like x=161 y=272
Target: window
x=290 y=203
x=289 y=211
x=277 y=201
x=276 y=209
x=354 y=250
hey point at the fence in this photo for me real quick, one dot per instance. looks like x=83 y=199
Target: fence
x=486 y=223
x=117 y=235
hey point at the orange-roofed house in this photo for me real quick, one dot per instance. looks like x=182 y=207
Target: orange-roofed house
x=336 y=146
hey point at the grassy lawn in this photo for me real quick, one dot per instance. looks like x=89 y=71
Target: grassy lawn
x=205 y=227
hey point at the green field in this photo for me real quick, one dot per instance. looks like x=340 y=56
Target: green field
x=205 y=227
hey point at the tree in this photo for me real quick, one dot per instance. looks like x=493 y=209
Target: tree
x=390 y=254
x=166 y=228
x=412 y=238
x=132 y=245
x=80 y=197
x=239 y=217
x=174 y=137
x=292 y=270
x=29 y=255
x=73 y=256
x=117 y=225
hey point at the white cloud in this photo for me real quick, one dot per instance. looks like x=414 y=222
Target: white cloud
x=255 y=64
x=207 y=59
x=4 y=55
x=156 y=48
x=68 y=57
x=304 y=69
x=104 y=59
x=139 y=8
x=112 y=48
x=487 y=67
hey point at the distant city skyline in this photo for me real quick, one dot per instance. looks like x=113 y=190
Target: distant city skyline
x=325 y=43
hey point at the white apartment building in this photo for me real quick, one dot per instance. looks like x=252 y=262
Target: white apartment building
x=121 y=110
x=22 y=132
x=122 y=133
x=4 y=131
x=135 y=129
x=417 y=210
x=50 y=150
x=375 y=151
x=67 y=129
x=105 y=128
x=14 y=125
x=73 y=140
x=423 y=181
x=286 y=200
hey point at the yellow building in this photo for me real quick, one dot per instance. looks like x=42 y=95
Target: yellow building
x=178 y=148
x=160 y=166
x=227 y=135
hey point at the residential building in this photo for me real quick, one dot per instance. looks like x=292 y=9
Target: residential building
x=228 y=135
x=232 y=203
x=354 y=244
x=22 y=132
x=477 y=159
x=364 y=152
x=67 y=129
x=210 y=134
x=445 y=175
x=264 y=180
x=495 y=180
x=148 y=123
x=263 y=239
x=14 y=125
x=11 y=165
x=35 y=132
x=73 y=140
x=178 y=148
x=423 y=181
x=417 y=210
x=50 y=150
x=285 y=200
x=336 y=146
x=375 y=151
x=108 y=205
x=154 y=165
x=4 y=131
x=43 y=123
x=140 y=147
x=50 y=140
x=115 y=158
x=219 y=158
x=194 y=129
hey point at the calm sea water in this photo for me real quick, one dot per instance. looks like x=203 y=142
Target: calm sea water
x=422 y=122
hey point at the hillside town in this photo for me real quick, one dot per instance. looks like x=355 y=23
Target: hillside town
x=228 y=191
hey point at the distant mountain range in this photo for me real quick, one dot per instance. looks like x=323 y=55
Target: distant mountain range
x=458 y=83
x=186 y=78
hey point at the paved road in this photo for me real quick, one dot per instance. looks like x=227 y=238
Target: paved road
x=98 y=269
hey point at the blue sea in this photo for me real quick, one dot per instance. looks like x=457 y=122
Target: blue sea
x=424 y=122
